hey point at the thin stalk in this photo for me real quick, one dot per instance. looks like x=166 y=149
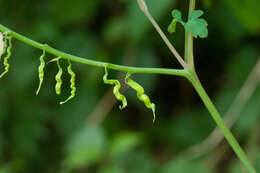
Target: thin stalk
x=188 y=54
x=100 y=64
x=230 y=117
x=189 y=58
x=220 y=123
x=145 y=10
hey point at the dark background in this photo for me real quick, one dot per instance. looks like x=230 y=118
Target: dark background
x=90 y=134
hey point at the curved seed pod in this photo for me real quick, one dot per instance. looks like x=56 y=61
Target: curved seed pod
x=116 y=89
x=140 y=94
x=6 y=64
x=58 y=78
x=2 y=45
x=72 y=83
x=41 y=71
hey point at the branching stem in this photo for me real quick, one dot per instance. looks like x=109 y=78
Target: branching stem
x=129 y=69
x=188 y=72
x=193 y=78
x=188 y=54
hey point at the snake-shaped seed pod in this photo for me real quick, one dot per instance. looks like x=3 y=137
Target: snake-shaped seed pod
x=41 y=71
x=72 y=83
x=2 y=45
x=116 y=89
x=140 y=94
x=6 y=64
x=58 y=78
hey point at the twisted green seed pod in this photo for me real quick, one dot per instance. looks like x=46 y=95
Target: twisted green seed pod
x=41 y=71
x=116 y=89
x=6 y=64
x=58 y=78
x=2 y=45
x=72 y=83
x=140 y=94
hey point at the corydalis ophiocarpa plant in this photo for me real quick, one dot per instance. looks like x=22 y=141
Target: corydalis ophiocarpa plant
x=194 y=27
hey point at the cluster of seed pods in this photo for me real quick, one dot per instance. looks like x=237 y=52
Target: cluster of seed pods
x=134 y=85
x=58 y=77
x=5 y=49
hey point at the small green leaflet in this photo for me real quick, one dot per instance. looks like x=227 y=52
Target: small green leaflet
x=177 y=17
x=196 y=25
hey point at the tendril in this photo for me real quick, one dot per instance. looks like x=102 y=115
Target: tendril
x=58 y=78
x=41 y=71
x=140 y=94
x=116 y=89
x=9 y=53
x=72 y=83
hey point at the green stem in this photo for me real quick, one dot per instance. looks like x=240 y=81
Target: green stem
x=220 y=123
x=100 y=64
x=192 y=77
x=188 y=54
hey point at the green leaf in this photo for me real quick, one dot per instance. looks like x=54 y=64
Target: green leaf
x=196 y=25
x=177 y=15
x=172 y=26
x=195 y=14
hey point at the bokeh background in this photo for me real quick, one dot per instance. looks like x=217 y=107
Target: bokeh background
x=90 y=134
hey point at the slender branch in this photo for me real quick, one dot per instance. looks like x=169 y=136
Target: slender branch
x=100 y=64
x=244 y=94
x=145 y=10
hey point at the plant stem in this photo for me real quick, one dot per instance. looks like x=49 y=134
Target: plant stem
x=188 y=54
x=100 y=64
x=220 y=123
x=193 y=78
x=230 y=117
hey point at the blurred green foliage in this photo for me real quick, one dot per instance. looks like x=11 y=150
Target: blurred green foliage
x=39 y=135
